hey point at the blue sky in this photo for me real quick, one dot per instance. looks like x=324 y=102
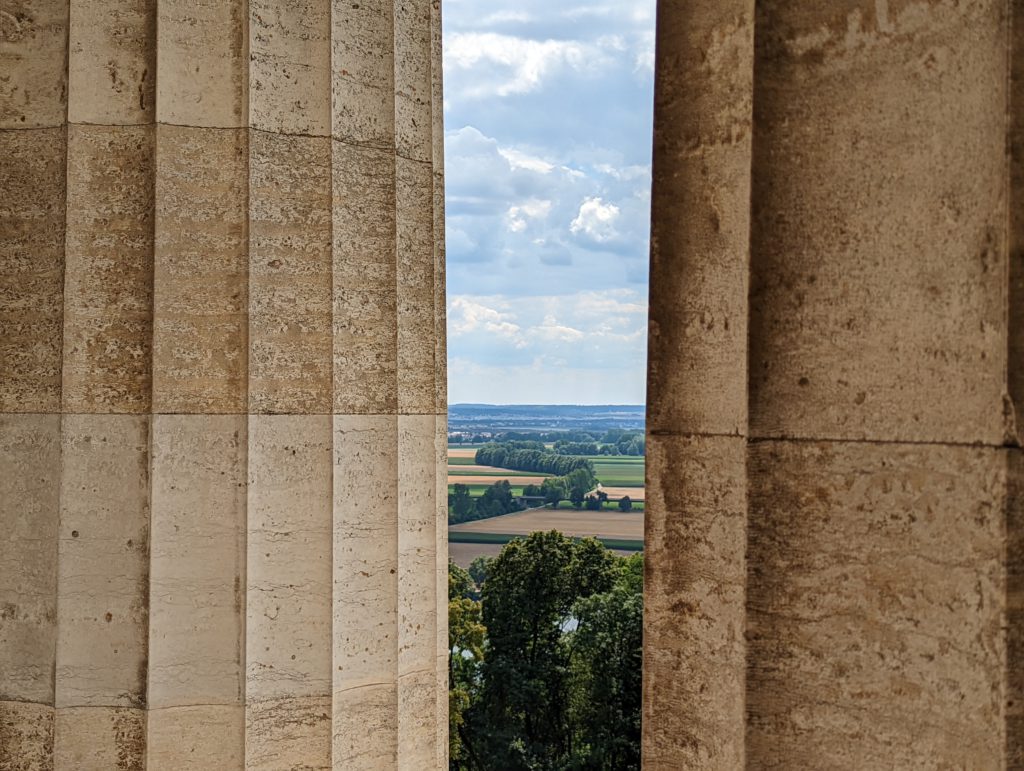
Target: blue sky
x=547 y=155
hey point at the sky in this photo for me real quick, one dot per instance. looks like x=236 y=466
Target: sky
x=547 y=110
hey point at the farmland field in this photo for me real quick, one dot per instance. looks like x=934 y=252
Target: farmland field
x=604 y=524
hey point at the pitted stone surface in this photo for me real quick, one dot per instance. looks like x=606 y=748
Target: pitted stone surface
x=290 y=274
x=875 y=594
x=108 y=274
x=878 y=267
x=33 y=58
x=694 y=611
x=290 y=72
x=112 y=62
x=100 y=739
x=202 y=63
x=30 y=467
x=200 y=322
x=103 y=562
x=32 y=176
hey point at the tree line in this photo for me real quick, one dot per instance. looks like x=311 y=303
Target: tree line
x=545 y=665
x=523 y=459
x=495 y=501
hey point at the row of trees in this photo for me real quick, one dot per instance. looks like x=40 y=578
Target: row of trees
x=523 y=459
x=545 y=665
x=495 y=501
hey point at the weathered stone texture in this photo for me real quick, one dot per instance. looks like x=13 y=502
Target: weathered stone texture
x=26 y=736
x=366 y=553
x=220 y=282
x=112 y=62
x=108 y=273
x=700 y=219
x=878 y=251
x=695 y=530
x=197 y=563
x=290 y=71
x=875 y=594
x=100 y=739
x=694 y=589
x=290 y=274
x=103 y=562
x=30 y=468
x=417 y=590
x=288 y=608
x=200 y=325
x=33 y=58
x=1015 y=611
x=202 y=63
x=32 y=176
x=365 y=304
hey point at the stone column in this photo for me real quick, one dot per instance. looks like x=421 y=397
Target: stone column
x=694 y=613
x=878 y=347
x=1015 y=464
x=877 y=485
x=222 y=386
x=33 y=178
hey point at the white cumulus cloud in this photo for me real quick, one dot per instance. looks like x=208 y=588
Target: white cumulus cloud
x=596 y=219
x=526 y=61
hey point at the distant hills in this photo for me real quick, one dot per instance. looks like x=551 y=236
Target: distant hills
x=540 y=417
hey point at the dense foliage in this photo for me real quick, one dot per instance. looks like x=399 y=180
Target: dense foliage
x=522 y=459
x=546 y=664
x=495 y=501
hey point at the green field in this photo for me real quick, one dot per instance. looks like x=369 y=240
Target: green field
x=619 y=471
x=461 y=461
x=503 y=538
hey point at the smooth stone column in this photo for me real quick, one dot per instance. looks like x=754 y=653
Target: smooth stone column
x=695 y=527
x=878 y=341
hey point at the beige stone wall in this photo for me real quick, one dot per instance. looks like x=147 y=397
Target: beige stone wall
x=222 y=400
x=841 y=423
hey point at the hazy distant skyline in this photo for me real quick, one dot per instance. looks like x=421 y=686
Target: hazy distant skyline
x=547 y=130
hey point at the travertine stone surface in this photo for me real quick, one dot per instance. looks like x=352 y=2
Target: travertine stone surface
x=100 y=738
x=202 y=63
x=875 y=594
x=33 y=58
x=417 y=591
x=365 y=668
x=195 y=738
x=103 y=562
x=200 y=291
x=30 y=466
x=32 y=176
x=221 y=281
x=365 y=306
x=108 y=273
x=878 y=216
x=1015 y=610
x=694 y=583
x=290 y=70
x=700 y=218
x=288 y=608
x=290 y=274
x=26 y=735
x=363 y=75
x=197 y=563
x=112 y=62
x=695 y=529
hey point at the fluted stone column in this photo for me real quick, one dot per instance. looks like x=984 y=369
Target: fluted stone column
x=695 y=575
x=222 y=386
x=881 y=503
